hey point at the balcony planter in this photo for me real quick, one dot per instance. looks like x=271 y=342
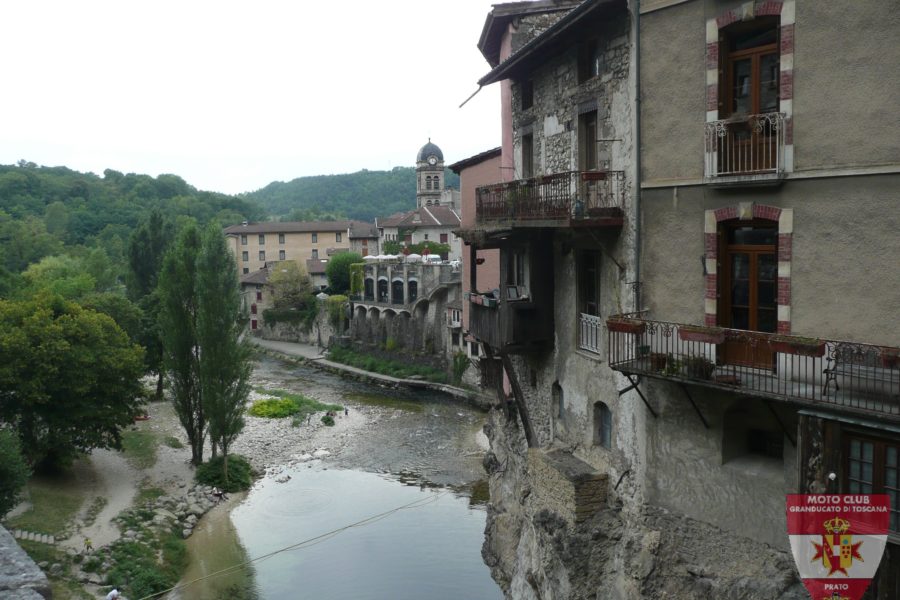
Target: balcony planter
x=626 y=325
x=697 y=333
x=489 y=302
x=890 y=358
x=658 y=361
x=698 y=367
x=799 y=346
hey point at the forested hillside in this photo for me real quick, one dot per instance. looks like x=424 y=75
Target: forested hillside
x=363 y=195
x=47 y=211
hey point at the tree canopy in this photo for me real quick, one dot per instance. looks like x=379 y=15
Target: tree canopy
x=69 y=378
x=338 y=271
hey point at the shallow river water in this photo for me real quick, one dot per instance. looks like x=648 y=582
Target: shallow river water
x=390 y=516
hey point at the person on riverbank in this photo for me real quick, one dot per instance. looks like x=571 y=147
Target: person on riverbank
x=88 y=545
x=113 y=594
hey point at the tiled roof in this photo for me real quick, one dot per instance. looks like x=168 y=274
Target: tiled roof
x=289 y=227
x=315 y=266
x=256 y=277
x=361 y=229
x=474 y=160
x=427 y=216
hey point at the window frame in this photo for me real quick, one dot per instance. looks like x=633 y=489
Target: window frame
x=588 y=155
x=245 y=256
x=280 y=238
x=528 y=155
x=281 y=255
x=315 y=238
x=879 y=468
x=262 y=239
x=243 y=239
x=262 y=256
x=729 y=57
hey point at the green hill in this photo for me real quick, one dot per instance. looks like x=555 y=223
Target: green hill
x=363 y=195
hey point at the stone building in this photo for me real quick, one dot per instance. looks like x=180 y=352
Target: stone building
x=436 y=216
x=254 y=244
x=648 y=454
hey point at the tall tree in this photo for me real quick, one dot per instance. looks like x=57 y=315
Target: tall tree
x=225 y=365
x=14 y=472
x=290 y=284
x=178 y=332
x=69 y=378
x=338 y=271
x=146 y=249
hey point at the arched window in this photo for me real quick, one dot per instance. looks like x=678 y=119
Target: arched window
x=557 y=407
x=602 y=425
x=428 y=183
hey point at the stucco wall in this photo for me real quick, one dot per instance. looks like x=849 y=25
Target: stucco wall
x=844 y=265
x=296 y=246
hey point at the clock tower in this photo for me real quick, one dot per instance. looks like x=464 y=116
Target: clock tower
x=429 y=175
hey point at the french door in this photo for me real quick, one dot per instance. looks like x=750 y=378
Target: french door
x=749 y=291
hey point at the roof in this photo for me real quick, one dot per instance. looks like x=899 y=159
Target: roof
x=361 y=229
x=502 y=15
x=427 y=216
x=548 y=41
x=315 y=266
x=474 y=160
x=427 y=150
x=289 y=227
x=256 y=277
x=457 y=304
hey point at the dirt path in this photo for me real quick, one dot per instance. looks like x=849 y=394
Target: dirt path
x=116 y=481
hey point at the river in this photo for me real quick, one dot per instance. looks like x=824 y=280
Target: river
x=395 y=514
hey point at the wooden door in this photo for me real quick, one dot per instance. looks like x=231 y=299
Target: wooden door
x=749 y=292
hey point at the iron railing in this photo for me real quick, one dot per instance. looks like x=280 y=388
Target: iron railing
x=564 y=196
x=745 y=145
x=590 y=328
x=847 y=375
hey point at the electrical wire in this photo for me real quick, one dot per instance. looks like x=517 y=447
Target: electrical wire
x=307 y=543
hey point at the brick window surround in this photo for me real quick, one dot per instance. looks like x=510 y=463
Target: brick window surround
x=785 y=10
x=749 y=211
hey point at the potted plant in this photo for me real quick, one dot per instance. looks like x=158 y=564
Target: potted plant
x=801 y=346
x=658 y=361
x=890 y=357
x=698 y=367
x=698 y=333
x=624 y=325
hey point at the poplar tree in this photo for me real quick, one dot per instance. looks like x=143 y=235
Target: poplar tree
x=225 y=365
x=178 y=323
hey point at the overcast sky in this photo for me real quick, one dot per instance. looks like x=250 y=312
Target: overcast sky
x=234 y=95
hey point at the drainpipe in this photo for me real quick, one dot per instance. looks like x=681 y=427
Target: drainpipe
x=637 y=154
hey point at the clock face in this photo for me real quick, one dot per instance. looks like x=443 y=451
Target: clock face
x=432 y=160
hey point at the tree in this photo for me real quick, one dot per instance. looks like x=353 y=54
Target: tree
x=13 y=471
x=178 y=333
x=338 y=271
x=290 y=284
x=225 y=365
x=69 y=378
x=61 y=275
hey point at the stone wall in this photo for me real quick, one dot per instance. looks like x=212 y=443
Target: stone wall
x=20 y=577
x=322 y=332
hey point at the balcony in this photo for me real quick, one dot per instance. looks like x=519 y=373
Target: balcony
x=745 y=150
x=570 y=199
x=848 y=376
x=512 y=326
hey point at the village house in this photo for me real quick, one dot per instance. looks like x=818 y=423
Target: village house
x=672 y=357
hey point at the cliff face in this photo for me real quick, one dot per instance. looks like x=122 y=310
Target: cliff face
x=539 y=548
x=20 y=578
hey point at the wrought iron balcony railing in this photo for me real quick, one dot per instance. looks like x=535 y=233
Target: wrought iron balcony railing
x=852 y=376
x=745 y=145
x=563 y=197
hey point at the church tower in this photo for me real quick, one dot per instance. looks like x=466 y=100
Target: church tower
x=429 y=175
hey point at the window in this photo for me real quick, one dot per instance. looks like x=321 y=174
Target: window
x=281 y=255
x=587 y=141
x=751 y=68
x=528 y=156
x=527 y=87
x=246 y=270
x=259 y=295
x=426 y=236
x=262 y=255
x=245 y=256
x=428 y=183
x=280 y=238
x=473 y=349
x=337 y=236
x=253 y=324
x=315 y=238
x=589 y=283
x=252 y=309
x=262 y=239
x=515 y=268
x=602 y=425
x=590 y=60
x=315 y=253
x=443 y=238
x=557 y=407
x=871 y=467
x=243 y=240
x=455 y=339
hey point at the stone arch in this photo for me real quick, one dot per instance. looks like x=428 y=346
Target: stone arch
x=387 y=316
x=397 y=291
x=412 y=287
x=784 y=217
x=383 y=290
x=369 y=289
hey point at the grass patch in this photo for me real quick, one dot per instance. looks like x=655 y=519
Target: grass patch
x=54 y=503
x=240 y=475
x=288 y=404
x=401 y=370
x=140 y=448
x=148 y=494
x=172 y=442
x=137 y=569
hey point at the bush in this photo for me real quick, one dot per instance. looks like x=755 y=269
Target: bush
x=240 y=474
x=460 y=364
x=286 y=404
x=328 y=420
x=275 y=408
x=14 y=472
x=385 y=367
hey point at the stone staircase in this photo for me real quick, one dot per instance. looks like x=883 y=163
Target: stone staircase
x=31 y=536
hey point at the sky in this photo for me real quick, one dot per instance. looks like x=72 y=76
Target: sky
x=234 y=95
